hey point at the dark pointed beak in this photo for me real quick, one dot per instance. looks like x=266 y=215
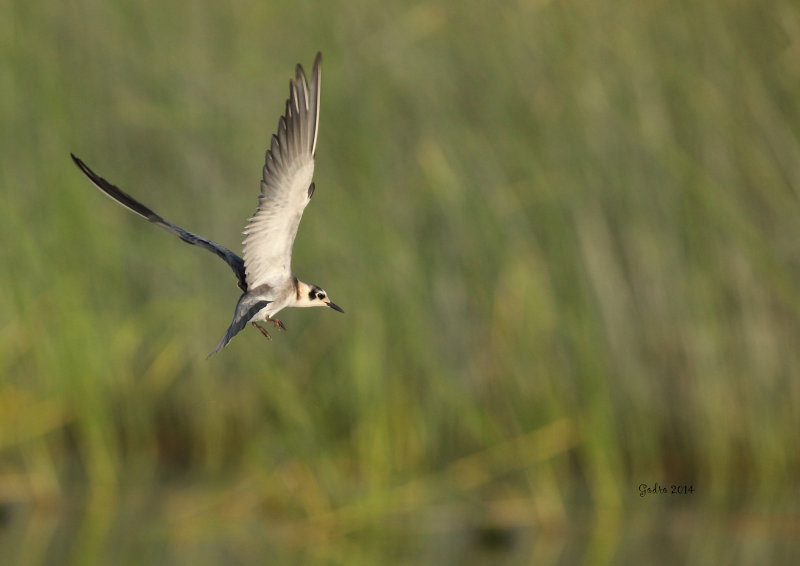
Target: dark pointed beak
x=335 y=307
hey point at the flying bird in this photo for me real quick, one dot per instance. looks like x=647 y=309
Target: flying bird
x=265 y=274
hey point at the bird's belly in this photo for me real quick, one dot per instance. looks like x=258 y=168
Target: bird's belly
x=268 y=312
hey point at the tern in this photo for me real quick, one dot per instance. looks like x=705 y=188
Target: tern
x=265 y=274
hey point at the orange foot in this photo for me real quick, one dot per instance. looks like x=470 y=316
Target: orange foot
x=277 y=323
x=263 y=330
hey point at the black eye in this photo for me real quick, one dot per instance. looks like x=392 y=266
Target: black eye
x=320 y=296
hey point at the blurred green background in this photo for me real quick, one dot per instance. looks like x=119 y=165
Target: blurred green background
x=566 y=235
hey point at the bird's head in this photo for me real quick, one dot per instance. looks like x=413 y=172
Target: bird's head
x=314 y=296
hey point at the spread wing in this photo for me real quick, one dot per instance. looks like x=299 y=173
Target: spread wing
x=126 y=200
x=286 y=186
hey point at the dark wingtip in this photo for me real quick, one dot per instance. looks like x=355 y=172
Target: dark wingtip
x=317 y=64
x=94 y=177
x=77 y=161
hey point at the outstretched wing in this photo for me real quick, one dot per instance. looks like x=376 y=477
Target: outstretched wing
x=286 y=186
x=234 y=261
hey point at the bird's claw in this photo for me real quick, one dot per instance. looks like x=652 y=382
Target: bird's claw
x=262 y=330
x=277 y=323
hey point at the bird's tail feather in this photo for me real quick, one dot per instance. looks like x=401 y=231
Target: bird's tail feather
x=246 y=309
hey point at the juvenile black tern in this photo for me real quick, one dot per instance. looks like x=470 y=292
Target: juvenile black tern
x=265 y=274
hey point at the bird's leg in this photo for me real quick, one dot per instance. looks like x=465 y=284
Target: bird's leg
x=277 y=323
x=263 y=331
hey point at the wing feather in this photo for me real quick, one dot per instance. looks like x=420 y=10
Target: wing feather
x=286 y=177
x=234 y=261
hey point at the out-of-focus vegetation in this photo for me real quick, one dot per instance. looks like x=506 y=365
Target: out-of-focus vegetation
x=566 y=235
